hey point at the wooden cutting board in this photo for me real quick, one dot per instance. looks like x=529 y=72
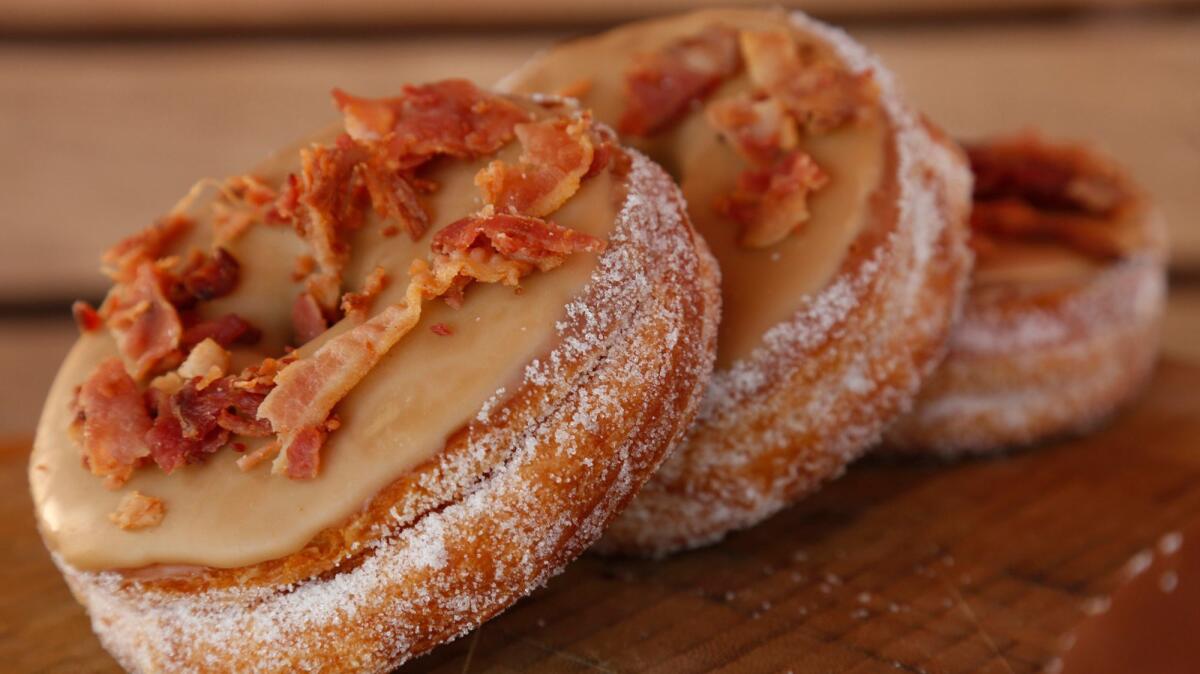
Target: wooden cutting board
x=976 y=566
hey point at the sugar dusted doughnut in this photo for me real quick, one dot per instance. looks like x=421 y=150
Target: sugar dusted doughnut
x=838 y=219
x=1061 y=324
x=502 y=321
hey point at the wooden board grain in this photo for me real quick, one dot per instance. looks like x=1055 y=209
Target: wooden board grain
x=978 y=566
x=101 y=137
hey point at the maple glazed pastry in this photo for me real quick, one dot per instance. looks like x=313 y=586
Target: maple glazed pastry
x=1061 y=323
x=837 y=216
x=501 y=321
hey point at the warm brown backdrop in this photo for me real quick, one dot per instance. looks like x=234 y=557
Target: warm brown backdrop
x=110 y=109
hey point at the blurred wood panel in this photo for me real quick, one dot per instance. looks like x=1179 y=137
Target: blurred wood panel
x=976 y=567
x=189 y=15
x=31 y=350
x=101 y=137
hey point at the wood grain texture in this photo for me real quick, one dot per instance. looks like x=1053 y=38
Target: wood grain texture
x=102 y=137
x=979 y=566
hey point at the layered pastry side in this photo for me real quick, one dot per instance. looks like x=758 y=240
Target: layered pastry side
x=352 y=404
x=1061 y=324
x=838 y=218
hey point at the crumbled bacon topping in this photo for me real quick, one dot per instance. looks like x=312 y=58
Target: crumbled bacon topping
x=557 y=153
x=451 y=117
x=86 y=316
x=660 y=86
x=441 y=329
x=821 y=95
x=308 y=321
x=227 y=330
x=1030 y=190
x=541 y=244
x=759 y=130
x=359 y=303
x=145 y=324
x=771 y=203
x=122 y=261
x=115 y=423
x=138 y=511
x=205 y=278
x=155 y=310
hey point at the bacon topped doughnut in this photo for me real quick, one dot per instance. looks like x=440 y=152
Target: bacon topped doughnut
x=343 y=409
x=1061 y=323
x=838 y=219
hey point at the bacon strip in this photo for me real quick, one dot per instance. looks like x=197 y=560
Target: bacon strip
x=145 y=324
x=661 y=85
x=115 y=422
x=821 y=95
x=556 y=154
x=771 y=203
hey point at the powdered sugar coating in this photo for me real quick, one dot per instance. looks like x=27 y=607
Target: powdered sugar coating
x=531 y=483
x=1028 y=362
x=823 y=384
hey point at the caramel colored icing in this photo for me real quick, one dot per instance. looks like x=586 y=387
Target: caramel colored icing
x=760 y=287
x=400 y=415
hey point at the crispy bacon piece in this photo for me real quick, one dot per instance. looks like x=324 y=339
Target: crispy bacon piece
x=357 y=304
x=394 y=196
x=441 y=329
x=1058 y=177
x=308 y=321
x=86 y=317
x=821 y=95
x=773 y=202
x=145 y=324
x=332 y=199
x=196 y=420
x=115 y=422
x=661 y=85
x=227 y=330
x=207 y=361
x=122 y=261
x=302 y=454
x=451 y=117
x=556 y=154
x=138 y=511
x=533 y=241
x=759 y=130
x=204 y=278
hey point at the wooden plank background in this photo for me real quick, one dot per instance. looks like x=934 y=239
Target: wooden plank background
x=100 y=137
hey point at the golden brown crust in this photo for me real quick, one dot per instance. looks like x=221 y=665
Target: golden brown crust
x=824 y=396
x=514 y=496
